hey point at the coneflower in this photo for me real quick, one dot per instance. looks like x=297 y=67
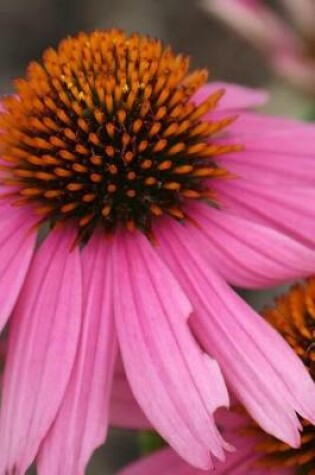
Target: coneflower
x=153 y=190
x=287 y=39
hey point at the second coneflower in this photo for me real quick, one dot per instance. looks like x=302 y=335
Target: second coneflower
x=154 y=191
x=287 y=39
x=257 y=452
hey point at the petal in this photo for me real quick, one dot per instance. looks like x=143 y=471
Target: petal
x=245 y=253
x=245 y=461
x=276 y=168
x=124 y=409
x=42 y=344
x=255 y=22
x=260 y=367
x=275 y=150
x=160 y=355
x=290 y=210
x=235 y=97
x=17 y=243
x=167 y=462
x=81 y=423
x=241 y=15
x=273 y=134
x=254 y=126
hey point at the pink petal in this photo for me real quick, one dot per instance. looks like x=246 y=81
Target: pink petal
x=235 y=97
x=275 y=150
x=256 y=22
x=167 y=462
x=261 y=369
x=273 y=134
x=242 y=461
x=160 y=355
x=124 y=409
x=42 y=344
x=260 y=133
x=242 y=15
x=81 y=423
x=262 y=166
x=245 y=253
x=163 y=462
x=290 y=210
x=17 y=243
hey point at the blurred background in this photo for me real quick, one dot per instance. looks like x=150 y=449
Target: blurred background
x=27 y=27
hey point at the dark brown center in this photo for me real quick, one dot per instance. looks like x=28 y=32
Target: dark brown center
x=106 y=132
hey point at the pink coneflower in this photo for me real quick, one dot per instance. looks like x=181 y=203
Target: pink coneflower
x=153 y=194
x=257 y=452
x=288 y=45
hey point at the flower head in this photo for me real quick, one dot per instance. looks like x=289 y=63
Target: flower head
x=125 y=160
x=75 y=111
x=289 y=49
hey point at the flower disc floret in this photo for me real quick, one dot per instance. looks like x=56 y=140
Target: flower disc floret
x=105 y=131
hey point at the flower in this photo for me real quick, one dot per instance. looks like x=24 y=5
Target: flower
x=290 y=51
x=257 y=452
x=154 y=191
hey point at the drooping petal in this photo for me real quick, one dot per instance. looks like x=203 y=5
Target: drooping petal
x=160 y=355
x=287 y=209
x=167 y=462
x=261 y=369
x=43 y=340
x=245 y=253
x=235 y=97
x=124 y=409
x=17 y=243
x=81 y=423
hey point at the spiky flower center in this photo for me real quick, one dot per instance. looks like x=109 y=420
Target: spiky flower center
x=294 y=317
x=106 y=132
